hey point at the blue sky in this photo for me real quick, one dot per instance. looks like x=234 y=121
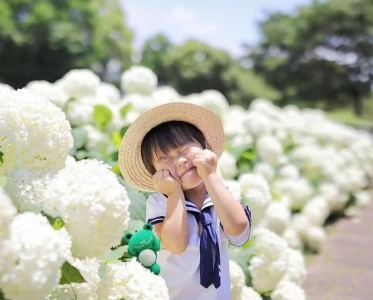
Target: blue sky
x=221 y=23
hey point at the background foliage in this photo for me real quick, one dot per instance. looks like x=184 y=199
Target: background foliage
x=320 y=56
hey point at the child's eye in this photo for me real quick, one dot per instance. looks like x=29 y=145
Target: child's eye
x=186 y=149
x=165 y=161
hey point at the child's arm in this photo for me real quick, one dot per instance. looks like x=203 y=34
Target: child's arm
x=173 y=231
x=230 y=211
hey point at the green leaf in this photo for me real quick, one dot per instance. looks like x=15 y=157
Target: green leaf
x=3 y=181
x=102 y=115
x=125 y=109
x=57 y=223
x=80 y=136
x=1 y=158
x=70 y=274
x=2 y=297
x=123 y=130
x=116 y=138
x=137 y=205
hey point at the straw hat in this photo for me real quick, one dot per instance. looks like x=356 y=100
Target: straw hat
x=130 y=161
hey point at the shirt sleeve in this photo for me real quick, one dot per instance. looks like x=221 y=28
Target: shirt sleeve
x=156 y=206
x=240 y=239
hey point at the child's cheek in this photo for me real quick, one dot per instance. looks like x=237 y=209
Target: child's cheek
x=173 y=172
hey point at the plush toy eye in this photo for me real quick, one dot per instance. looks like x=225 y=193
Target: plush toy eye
x=127 y=236
x=148 y=226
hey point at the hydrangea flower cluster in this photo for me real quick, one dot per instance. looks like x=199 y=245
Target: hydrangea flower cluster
x=7 y=211
x=302 y=168
x=274 y=261
x=30 y=260
x=139 y=80
x=131 y=280
x=34 y=133
x=93 y=204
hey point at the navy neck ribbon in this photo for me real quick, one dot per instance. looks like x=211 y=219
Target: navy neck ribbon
x=209 y=244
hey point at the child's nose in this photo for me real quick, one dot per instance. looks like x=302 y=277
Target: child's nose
x=181 y=160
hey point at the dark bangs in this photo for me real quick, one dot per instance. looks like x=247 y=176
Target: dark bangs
x=167 y=136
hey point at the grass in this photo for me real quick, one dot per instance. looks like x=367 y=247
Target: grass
x=348 y=117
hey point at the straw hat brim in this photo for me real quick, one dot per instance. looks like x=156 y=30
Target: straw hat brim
x=130 y=162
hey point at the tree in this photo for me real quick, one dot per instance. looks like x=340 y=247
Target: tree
x=155 y=53
x=196 y=66
x=42 y=40
x=323 y=54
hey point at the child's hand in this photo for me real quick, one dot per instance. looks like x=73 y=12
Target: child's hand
x=164 y=183
x=206 y=162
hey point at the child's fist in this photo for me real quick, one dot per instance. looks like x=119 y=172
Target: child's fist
x=164 y=183
x=206 y=162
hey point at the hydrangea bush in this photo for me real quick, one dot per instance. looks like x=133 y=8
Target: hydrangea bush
x=59 y=142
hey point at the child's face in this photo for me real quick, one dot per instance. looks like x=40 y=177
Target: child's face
x=179 y=162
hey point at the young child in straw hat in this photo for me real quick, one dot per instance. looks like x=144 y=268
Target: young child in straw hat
x=172 y=150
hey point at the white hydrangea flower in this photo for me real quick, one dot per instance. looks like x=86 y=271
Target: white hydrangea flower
x=7 y=212
x=26 y=187
x=79 y=113
x=315 y=237
x=131 y=280
x=234 y=187
x=301 y=224
x=109 y=92
x=352 y=179
x=31 y=259
x=78 y=83
x=140 y=103
x=265 y=170
x=311 y=159
x=265 y=106
x=257 y=124
x=334 y=196
x=268 y=243
x=256 y=194
x=242 y=140
x=237 y=279
x=291 y=236
x=287 y=290
x=269 y=149
x=270 y=261
x=248 y=293
x=214 y=100
x=289 y=171
x=165 y=94
x=89 y=269
x=34 y=133
x=93 y=204
x=316 y=210
x=227 y=167
x=277 y=217
x=50 y=91
x=139 y=80
x=5 y=87
x=265 y=273
x=363 y=198
x=96 y=139
x=296 y=270
x=297 y=190
x=236 y=113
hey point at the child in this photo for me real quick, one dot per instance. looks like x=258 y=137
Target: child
x=173 y=150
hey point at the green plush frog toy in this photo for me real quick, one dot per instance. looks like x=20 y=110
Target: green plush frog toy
x=144 y=244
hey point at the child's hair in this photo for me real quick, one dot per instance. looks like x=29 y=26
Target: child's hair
x=167 y=136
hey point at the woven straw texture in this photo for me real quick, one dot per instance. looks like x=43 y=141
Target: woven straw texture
x=131 y=165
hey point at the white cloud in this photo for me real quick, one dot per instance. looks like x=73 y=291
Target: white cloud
x=187 y=23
